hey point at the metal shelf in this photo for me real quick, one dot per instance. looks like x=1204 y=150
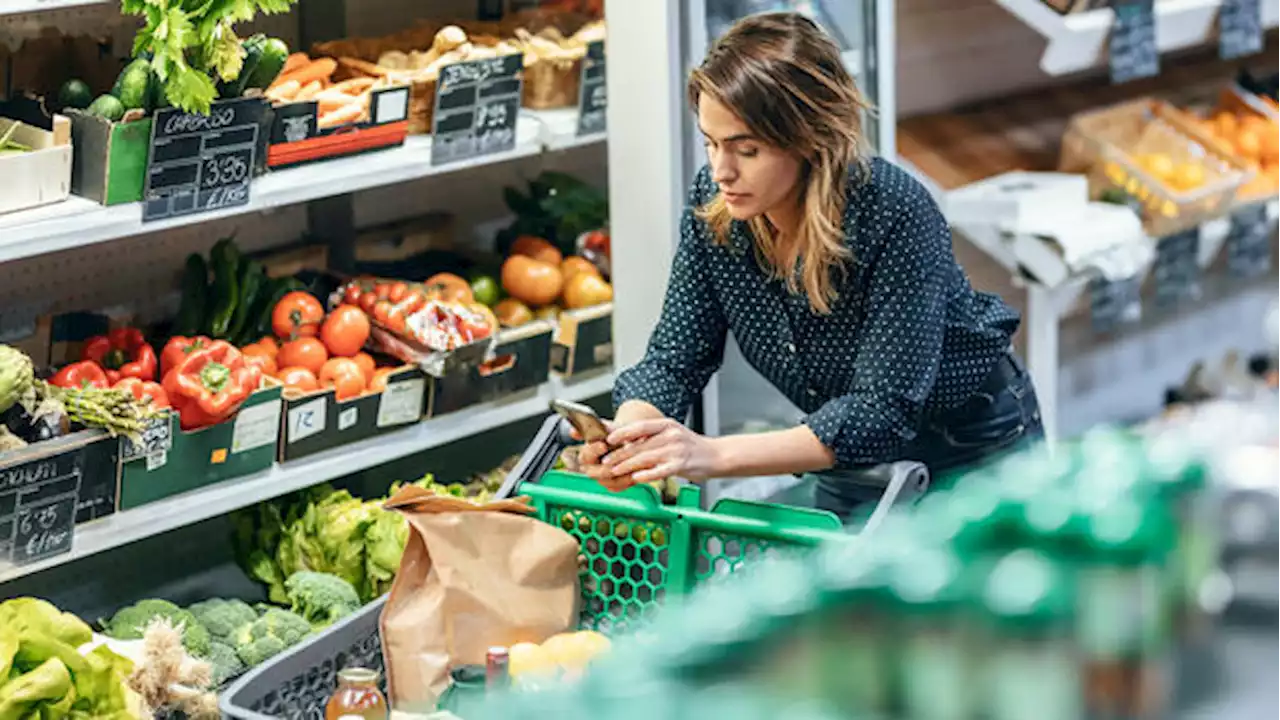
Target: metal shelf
x=1078 y=41
x=78 y=222
x=129 y=526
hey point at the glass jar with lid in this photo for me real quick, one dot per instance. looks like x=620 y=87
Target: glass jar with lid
x=1031 y=669
x=357 y=697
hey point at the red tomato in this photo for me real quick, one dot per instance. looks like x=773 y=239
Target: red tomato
x=298 y=314
x=345 y=331
x=298 y=378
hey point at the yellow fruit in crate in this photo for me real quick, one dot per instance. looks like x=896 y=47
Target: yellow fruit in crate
x=1248 y=145
x=1227 y=124
x=1158 y=165
x=1188 y=176
x=599 y=642
x=530 y=659
x=568 y=650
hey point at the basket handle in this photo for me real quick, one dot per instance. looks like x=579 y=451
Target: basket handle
x=552 y=438
x=908 y=482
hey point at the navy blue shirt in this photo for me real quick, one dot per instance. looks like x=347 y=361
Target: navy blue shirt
x=907 y=338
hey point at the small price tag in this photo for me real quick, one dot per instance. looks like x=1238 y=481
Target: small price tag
x=1239 y=28
x=256 y=427
x=1249 y=241
x=306 y=420
x=156 y=461
x=348 y=418
x=477 y=105
x=1133 y=51
x=401 y=403
x=201 y=163
x=1177 y=268
x=38 y=507
x=593 y=96
x=1114 y=303
x=157 y=437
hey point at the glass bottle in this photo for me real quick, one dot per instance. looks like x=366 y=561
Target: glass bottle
x=357 y=697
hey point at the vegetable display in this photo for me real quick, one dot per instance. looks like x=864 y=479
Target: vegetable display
x=436 y=314
x=191 y=46
x=210 y=384
x=122 y=353
x=130 y=623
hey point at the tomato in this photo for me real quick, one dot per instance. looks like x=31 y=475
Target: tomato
x=345 y=331
x=536 y=248
x=265 y=362
x=513 y=313
x=396 y=322
x=298 y=378
x=382 y=290
x=448 y=287
x=344 y=376
x=379 y=381
x=531 y=281
x=380 y=312
x=307 y=352
x=367 y=301
x=298 y=314
x=397 y=291
x=367 y=366
x=352 y=294
x=413 y=302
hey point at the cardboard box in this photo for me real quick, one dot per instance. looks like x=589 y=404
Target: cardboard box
x=584 y=340
x=174 y=461
x=521 y=360
x=41 y=176
x=297 y=138
x=316 y=421
x=110 y=164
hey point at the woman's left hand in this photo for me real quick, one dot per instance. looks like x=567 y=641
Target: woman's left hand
x=650 y=450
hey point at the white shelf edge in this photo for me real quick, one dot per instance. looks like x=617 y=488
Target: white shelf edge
x=129 y=526
x=77 y=222
x=1079 y=41
x=22 y=7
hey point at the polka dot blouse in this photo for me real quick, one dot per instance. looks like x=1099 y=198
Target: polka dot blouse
x=906 y=339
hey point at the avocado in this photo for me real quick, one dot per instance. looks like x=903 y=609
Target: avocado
x=132 y=67
x=75 y=93
x=107 y=106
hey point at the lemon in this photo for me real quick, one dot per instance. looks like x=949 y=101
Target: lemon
x=530 y=659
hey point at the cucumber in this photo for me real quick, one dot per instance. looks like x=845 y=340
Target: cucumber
x=195 y=287
x=252 y=278
x=272 y=55
x=225 y=258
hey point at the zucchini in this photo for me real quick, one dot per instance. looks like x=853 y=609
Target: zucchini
x=251 y=280
x=226 y=287
x=195 y=286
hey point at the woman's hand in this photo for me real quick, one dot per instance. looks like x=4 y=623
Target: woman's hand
x=650 y=450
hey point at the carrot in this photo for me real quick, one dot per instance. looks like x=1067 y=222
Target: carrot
x=284 y=92
x=294 y=62
x=347 y=113
x=316 y=70
x=309 y=91
x=334 y=95
x=354 y=86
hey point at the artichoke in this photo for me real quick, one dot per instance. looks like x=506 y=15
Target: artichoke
x=17 y=378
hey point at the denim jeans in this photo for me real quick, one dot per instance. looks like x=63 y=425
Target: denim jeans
x=992 y=422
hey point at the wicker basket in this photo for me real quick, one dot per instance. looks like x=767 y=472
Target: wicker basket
x=552 y=84
x=1106 y=145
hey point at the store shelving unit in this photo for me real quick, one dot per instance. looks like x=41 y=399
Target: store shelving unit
x=1078 y=41
x=129 y=526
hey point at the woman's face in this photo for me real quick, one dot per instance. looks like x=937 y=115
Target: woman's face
x=755 y=177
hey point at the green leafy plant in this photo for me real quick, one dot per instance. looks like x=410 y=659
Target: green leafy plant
x=557 y=207
x=192 y=43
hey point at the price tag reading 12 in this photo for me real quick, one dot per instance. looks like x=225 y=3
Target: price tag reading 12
x=200 y=163
x=477 y=104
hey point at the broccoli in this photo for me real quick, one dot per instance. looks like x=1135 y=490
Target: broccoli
x=222 y=617
x=321 y=598
x=269 y=635
x=225 y=661
x=130 y=623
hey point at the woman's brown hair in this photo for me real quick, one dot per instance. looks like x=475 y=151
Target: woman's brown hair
x=784 y=78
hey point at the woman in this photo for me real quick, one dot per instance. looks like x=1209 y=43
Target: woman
x=834 y=271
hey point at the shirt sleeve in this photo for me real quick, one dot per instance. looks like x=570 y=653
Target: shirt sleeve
x=687 y=346
x=899 y=346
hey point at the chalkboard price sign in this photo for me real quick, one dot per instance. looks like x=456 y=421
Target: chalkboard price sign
x=1249 y=241
x=1177 y=268
x=1133 y=51
x=201 y=163
x=477 y=105
x=1239 y=28
x=1114 y=303
x=38 y=507
x=593 y=96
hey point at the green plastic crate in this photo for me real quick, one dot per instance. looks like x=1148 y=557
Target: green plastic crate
x=638 y=553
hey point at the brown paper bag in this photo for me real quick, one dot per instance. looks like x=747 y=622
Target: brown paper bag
x=472 y=576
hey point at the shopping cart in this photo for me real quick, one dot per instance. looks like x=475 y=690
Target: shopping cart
x=636 y=553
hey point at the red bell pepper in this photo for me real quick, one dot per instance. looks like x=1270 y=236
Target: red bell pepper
x=121 y=353
x=210 y=384
x=144 y=391
x=177 y=349
x=83 y=374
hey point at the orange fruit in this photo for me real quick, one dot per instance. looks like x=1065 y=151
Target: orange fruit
x=532 y=281
x=586 y=290
x=1248 y=144
x=575 y=264
x=512 y=313
x=1188 y=176
x=536 y=248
